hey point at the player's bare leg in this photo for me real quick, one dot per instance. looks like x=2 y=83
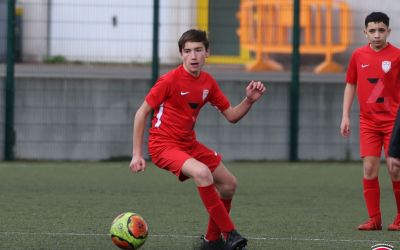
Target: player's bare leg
x=199 y=172
x=371 y=167
x=225 y=182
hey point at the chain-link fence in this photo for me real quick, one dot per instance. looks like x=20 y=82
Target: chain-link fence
x=83 y=68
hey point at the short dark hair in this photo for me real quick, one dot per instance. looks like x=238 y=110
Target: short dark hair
x=193 y=35
x=377 y=17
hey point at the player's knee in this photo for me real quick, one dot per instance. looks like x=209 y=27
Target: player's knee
x=203 y=176
x=370 y=171
x=228 y=189
x=232 y=186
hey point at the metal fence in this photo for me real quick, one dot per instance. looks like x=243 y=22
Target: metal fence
x=120 y=31
x=85 y=66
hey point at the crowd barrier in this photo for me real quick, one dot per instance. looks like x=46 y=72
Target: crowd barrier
x=266 y=27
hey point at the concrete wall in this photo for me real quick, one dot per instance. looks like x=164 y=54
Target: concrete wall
x=77 y=119
x=91 y=119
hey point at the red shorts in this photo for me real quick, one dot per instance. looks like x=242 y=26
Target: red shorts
x=172 y=156
x=372 y=138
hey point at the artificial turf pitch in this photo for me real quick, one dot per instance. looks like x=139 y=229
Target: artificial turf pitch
x=278 y=205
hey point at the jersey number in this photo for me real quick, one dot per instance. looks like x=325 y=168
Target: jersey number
x=376 y=93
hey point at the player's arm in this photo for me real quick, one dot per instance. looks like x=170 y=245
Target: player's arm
x=254 y=91
x=138 y=163
x=394 y=146
x=348 y=99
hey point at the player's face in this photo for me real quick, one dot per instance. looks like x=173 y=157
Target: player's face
x=194 y=55
x=377 y=34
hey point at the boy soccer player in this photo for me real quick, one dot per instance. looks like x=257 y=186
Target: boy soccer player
x=177 y=98
x=374 y=72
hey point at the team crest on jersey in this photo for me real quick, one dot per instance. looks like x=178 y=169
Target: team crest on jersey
x=386 y=66
x=205 y=93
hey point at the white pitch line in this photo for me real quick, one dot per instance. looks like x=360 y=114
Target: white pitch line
x=318 y=239
x=44 y=233
x=191 y=236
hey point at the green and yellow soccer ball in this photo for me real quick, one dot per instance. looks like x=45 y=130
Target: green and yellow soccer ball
x=129 y=231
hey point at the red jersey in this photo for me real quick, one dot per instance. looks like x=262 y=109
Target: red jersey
x=377 y=75
x=177 y=98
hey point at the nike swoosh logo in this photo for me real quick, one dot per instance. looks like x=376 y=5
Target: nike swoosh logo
x=184 y=93
x=364 y=65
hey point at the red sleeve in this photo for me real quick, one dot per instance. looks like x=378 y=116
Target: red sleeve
x=218 y=99
x=351 y=76
x=158 y=93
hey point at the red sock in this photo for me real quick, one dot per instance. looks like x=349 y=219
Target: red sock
x=213 y=231
x=396 y=191
x=216 y=208
x=372 y=197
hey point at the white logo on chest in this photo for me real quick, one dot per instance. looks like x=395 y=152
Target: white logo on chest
x=386 y=65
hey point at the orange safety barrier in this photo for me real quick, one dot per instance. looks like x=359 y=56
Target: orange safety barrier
x=266 y=27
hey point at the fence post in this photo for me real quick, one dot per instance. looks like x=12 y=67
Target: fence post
x=294 y=87
x=155 y=61
x=9 y=139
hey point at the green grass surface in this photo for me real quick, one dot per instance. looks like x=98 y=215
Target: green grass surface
x=55 y=205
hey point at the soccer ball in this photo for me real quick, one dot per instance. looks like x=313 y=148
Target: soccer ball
x=129 y=231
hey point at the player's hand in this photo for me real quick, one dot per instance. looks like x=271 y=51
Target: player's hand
x=345 y=127
x=394 y=162
x=138 y=164
x=255 y=90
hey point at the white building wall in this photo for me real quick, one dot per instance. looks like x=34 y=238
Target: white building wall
x=83 y=30
x=176 y=16
x=361 y=8
x=34 y=28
